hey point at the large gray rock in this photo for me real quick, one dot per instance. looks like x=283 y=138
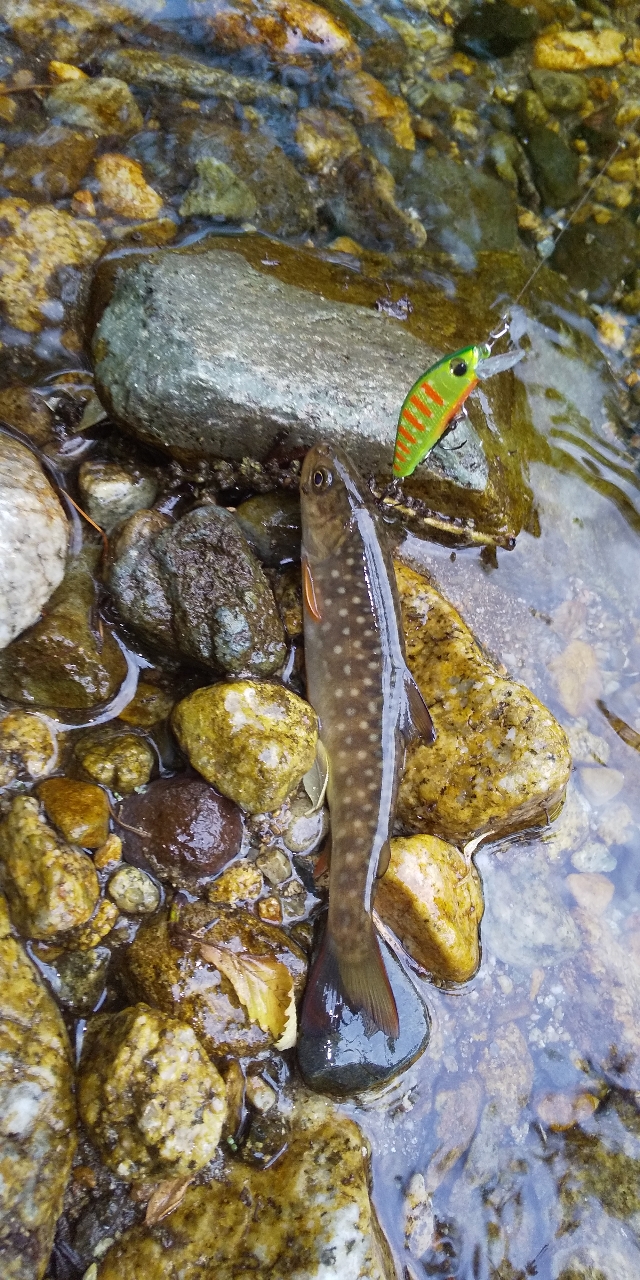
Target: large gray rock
x=33 y=539
x=209 y=352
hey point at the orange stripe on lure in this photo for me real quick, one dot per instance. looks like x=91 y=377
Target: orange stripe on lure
x=431 y=404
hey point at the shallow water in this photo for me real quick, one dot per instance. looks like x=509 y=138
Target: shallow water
x=552 y=1020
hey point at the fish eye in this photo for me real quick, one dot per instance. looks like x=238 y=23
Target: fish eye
x=458 y=368
x=321 y=479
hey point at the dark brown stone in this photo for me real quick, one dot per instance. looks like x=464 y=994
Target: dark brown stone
x=192 y=831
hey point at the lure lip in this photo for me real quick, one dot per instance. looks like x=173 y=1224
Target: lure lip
x=488 y=366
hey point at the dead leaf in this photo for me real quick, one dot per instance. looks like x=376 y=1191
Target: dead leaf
x=262 y=984
x=166 y=1197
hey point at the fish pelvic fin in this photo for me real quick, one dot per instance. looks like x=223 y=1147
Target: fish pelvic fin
x=415 y=719
x=367 y=988
x=362 y=985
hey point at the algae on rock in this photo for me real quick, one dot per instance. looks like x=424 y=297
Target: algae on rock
x=50 y=886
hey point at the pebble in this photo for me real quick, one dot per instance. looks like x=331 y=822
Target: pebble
x=121 y=761
x=77 y=978
x=601 y=784
x=33 y=539
x=110 y=493
x=363 y=204
x=79 y=810
x=24 y=408
x=50 y=887
x=152 y=1102
x=28 y=746
x=591 y=891
x=274 y=865
x=495 y=30
x=124 y=189
x=38 y=1112
x=252 y=741
x=218 y=193
x=101 y=923
x=578 y=50
x=133 y=891
x=239 y=884
x=186 y=75
x=432 y=899
x=293 y=31
x=562 y=1111
x=105 y=106
x=304 y=829
x=616 y=824
x=150 y=704
x=260 y=1094
x=270 y=910
x=326 y=138
x=560 y=90
x=35 y=243
x=271 y=524
x=109 y=853
x=374 y=104
x=577 y=677
x=546 y=932
x=593 y=857
x=49 y=168
x=184 y=832
x=499 y=761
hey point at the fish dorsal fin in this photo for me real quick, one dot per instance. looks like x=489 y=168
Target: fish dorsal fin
x=316 y=780
x=415 y=720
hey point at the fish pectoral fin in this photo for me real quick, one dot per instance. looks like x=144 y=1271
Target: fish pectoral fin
x=415 y=720
x=384 y=859
x=323 y=860
x=316 y=780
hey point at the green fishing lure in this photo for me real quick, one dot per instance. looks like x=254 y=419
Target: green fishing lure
x=432 y=402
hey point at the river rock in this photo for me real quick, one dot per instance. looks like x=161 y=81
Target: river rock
x=147 y=67
x=37 y=1113
x=104 y=106
x=253 y=741
x=63 y=29
x=77 y=978
x=465 y=210
x=61 y=661
x=124 y=189
x=35 y=243
x=197 y=588
x=79 y=810
x=26 y=409
x=495 y=30
x=431 y=896
x=524 y=887
x=119 y=760
x=185 y=833
x=150 y=704
x=218 y=193
x=133 y=891
x=361 y=202
x=166 y=969
x=599 y=258
x=500 y=761
x=110 y=493
x=560 y=90
x=49 y=168
x=33 y=539
x=271 y=524
x=297 y=1218
x=289 y=31
x=152 y=1102
x=50 y=887
x=28 y=747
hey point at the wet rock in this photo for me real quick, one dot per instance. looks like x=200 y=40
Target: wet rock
x=272 y=356
x=49 y=886
x=28 y=747
x=555 y=165
x=253 y=741
x=24 y=408
x=560 y=90
x=593 y=856
x=284 y=205
x=274 y=865
x=458 y=1112
x=546 y=932
x=218 y=193
x=495 y=30
x=133 y=891
x=500 y=761
x=109 y=853
x=34 y=244
x=271 y=524
x=326 y=138
x=305 y=828
x=77 y=978
x=347 y=1055
x=51 y=167
x=287 y=589
x=33 y=539
x=431 y=896
x=110 y=493
x=124 y=189
x=166 y=968
x=601 y=784
x=592 y=891
x=362 y=204
x=191 y=832
x=507 y=1070
x=38 y=1113
x=287 y=31
x=598 y=257
x=61 y=661
x=153 y=1103
x=120 y=761
x=577 y=677
x=65 y=29
x=463 y=209
x=240 y=884
x=296 y=1218
x=578 y=50
x=89 y=935
x=197 y=586
x=149 y=705
x=374 y=104
x=105 y=106
x=195 y=79
x=79 y=810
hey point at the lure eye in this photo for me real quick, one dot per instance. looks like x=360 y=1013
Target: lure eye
x=321 y=479
x=459 y=368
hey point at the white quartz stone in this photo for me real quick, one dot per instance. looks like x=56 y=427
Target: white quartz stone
x=33 y=539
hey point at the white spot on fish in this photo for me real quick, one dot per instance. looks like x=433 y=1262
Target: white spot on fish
x=337 y=648
x=343 y=613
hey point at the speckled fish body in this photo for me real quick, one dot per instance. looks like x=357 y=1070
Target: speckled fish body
x=367 y=704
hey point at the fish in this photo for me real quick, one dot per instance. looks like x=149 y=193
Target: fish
x=432 y=402
x=368 y=707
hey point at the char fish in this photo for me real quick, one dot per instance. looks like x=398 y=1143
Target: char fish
x=368 y=706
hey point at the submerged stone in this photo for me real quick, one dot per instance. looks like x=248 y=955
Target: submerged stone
x=105 y=106
x=186 y=75
x=217 y=192
x=51 y=167
x=348 y=1055
x=500 y=761
x=29 y=746
x=271 y=524
x=185 y=832
x=465 y=210
x=110 y=493
x=495 y=30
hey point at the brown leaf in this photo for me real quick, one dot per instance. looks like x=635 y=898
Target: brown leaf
x=165 y=1199
x=263 y=985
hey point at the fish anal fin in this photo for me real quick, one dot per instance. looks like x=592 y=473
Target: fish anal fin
x=309 y=591
x=415 y=720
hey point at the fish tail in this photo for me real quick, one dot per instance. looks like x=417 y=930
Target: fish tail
x=361 y=983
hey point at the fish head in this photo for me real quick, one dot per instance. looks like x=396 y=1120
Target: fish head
x=330 y=492
x=458 y=373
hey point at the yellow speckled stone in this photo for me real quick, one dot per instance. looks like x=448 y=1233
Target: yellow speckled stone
x=50 y=887
x=254 y=741
x=500 y=761
x=308 y=1216
x=431 y=896
x=577 y=50
x=79 y=810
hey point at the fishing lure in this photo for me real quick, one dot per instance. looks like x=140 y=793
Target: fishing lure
x=437 y=397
